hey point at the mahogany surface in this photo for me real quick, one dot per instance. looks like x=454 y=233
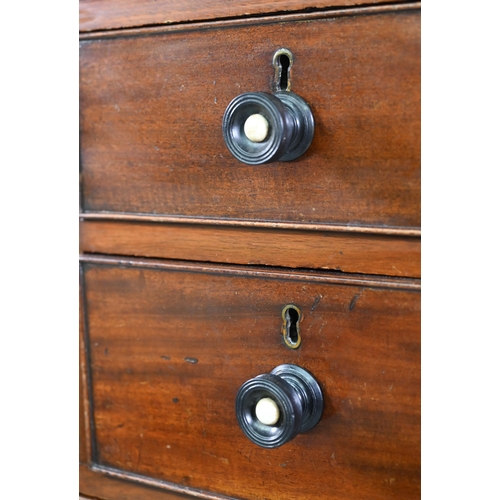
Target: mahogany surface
x=170 y=346
x=112 y=14
x=152 y=106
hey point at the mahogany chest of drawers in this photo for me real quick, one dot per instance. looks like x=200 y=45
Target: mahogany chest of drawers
x=192 y=262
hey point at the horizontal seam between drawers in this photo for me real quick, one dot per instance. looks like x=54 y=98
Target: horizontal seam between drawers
x=229 y=22
x=326 y=277
x=286 y=225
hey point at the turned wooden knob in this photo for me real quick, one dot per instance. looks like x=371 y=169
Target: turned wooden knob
x=273 y=408
x=259 y=127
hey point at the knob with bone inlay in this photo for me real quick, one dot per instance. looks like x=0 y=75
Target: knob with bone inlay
x=273 y=408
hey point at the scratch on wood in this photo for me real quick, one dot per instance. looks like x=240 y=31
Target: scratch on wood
x=224 y=460
x=191 y=360
x=320 y=330
x=165 y=357
x=316 y=302
x=139 y=453
x=353 y=302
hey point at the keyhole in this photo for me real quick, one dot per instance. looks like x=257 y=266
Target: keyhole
x=282 y=62
x=285 y=63
x=291 y=328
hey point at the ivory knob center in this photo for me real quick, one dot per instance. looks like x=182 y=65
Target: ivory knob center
x=256 y=127
x=267 y=411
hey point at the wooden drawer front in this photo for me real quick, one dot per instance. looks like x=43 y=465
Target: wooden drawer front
x=170 y=344
x=152 y=107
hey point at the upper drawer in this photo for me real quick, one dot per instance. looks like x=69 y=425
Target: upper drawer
x=106 y=14
x=152 y=107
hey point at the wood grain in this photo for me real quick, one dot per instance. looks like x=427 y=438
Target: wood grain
x=152 y=106
x=112 y=14
x=161 y=417
x=347 y=252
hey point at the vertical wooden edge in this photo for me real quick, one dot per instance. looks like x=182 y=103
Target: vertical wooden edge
x=85 y=454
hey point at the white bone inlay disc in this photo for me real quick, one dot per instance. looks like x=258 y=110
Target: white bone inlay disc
x=267 y=411
x=256 y=128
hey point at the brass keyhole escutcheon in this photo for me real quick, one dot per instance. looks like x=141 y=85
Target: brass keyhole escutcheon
x=291 y=326
x=282 y=62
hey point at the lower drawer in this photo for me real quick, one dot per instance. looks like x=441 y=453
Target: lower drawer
x=169 y=344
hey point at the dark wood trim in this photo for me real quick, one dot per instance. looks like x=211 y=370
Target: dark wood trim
x=172 y=219
x=248 y=21
x=99 y=483
x=156 y=483
x=85 y=409
x=258 y=272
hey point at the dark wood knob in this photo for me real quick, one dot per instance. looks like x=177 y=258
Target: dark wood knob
x=259 y=127
x=273 y=408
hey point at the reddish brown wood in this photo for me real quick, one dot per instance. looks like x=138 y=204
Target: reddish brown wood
x=108 y=14
x=348 y=252
x=152 y=108
x=167 y=419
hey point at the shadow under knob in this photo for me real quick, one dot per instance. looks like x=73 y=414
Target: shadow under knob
x=273 y=408
x=259 y=127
